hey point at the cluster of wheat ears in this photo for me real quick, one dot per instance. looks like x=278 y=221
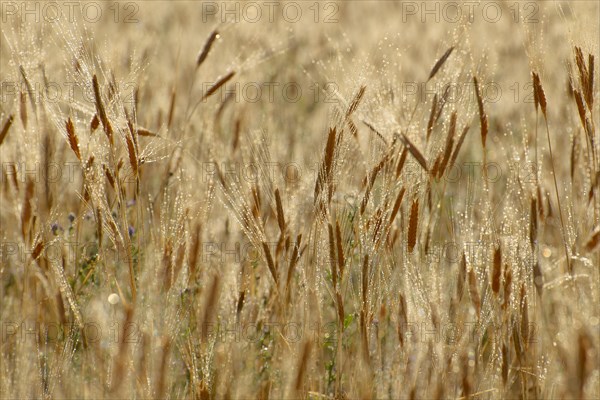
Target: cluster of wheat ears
x=154 y=269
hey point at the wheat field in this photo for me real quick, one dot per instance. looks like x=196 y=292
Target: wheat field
x=299 y=200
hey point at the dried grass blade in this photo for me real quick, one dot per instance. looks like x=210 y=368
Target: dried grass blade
x=171 y=108
x=340 y=249
x=332 y=258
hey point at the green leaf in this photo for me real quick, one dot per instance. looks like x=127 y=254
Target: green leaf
x=348 y=320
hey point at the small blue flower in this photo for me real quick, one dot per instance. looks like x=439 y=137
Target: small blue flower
x=71 y=217
x=54 y=227
x=131 y=231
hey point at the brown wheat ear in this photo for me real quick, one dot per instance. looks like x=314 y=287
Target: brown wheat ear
x=292 y=267
x=440 y=63
x=73 y=142
x=497 y=271
x=218 y=84
x=483 y=119
x=133 y=160
x=270 y=262
x=5 y=128
x=356 y=101
x=101 y=111
x=302 y=366
x=414 y=152
x=593 y=241
x=280 y=215
x=206 y=48
x=326 y=168
x=474 y=292
x=449 y=145
x=413 y=222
